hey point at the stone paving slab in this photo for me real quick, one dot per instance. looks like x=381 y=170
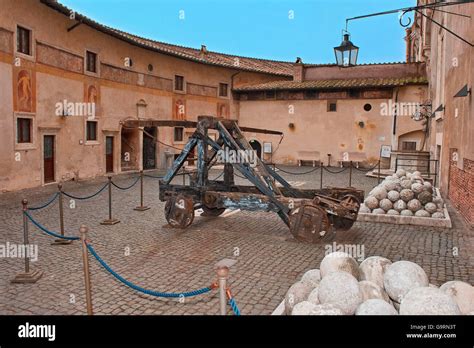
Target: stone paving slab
x=268 y=259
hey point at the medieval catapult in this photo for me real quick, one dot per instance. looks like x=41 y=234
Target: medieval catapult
x=310 y=214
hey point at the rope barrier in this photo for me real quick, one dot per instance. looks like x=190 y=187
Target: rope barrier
x=153 y=177
x=140 y=289
x=88 y=197
x=128 y=187
x=366 y=169
x=335 y=172
x=234 y=306
x=291 y=173
x=46 y=204
x=45 y=230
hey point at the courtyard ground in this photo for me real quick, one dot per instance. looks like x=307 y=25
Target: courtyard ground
x=268 y=259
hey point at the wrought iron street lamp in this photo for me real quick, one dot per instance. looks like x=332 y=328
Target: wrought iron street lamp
x=346 y=53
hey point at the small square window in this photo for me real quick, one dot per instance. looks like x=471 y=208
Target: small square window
x=91 y=131
x=178 y=134
x=23 y=40
x=178 y=83
x=23 y=130
x=223 y=89
x=332 y=106
x=91 y=62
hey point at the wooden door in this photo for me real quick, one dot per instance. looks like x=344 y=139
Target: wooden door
x=109 y=154
x=48 y=158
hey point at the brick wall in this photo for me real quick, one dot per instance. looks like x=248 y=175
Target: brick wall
x=461 y=188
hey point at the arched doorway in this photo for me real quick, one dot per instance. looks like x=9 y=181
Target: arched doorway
x=257 y=147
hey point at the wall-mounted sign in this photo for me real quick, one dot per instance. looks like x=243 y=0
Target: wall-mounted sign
x=385 y=151
x=267 y=147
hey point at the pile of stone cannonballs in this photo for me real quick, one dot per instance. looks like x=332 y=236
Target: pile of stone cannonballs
x=405 y=194
x=375 y=287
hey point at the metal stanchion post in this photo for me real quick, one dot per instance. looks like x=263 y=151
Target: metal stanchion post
x=85 y=262
x=61 y=219
x=110 y=220
x=141 y=207
x=28 y=276
x=222 y=274
x=350 y=174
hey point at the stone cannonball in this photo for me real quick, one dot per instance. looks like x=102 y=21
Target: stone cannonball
x=376 y=307
x=297 y=293
x=312 y=277
x=399 y=205
x=416 y=173
x=406 y=195
x=386 y=204
x=438 y=215
x=339 y=262
x=431 y=207
x=303 y=308
x=462 y=293
x=422 y=213
x=379 y=193
x=406 y=212
x=373 y=269
x=393 y=195
x=428 y=187
x=417 y=188
x=314 y=296
x=424 y=197
x=414 y=205
x=400 y=173
x=401 y=277
x=390 y=185
x=364 y=209
x=393 y=212
x=371 y=202
x=428 y=301
x=406 y=184
x=378 y=211
x=342 y=290
x=370 y=290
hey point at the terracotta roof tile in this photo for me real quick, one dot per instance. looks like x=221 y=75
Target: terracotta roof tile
x=211 y=58
x=333 y=84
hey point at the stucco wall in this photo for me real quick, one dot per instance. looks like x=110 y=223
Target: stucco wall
x=316 y=129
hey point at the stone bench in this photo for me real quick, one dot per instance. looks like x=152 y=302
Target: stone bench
x=308 y=156
x=355 y=157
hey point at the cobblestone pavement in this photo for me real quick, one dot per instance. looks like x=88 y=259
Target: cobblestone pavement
x=164 y=259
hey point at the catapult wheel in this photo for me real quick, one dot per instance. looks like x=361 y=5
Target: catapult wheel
x=179 y=211
x=349 y=202
x=310 y=223
x=212 y=211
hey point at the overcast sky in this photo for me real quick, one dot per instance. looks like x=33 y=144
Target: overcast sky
x=273 y=29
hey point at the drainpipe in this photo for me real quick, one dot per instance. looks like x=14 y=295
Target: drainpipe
x=394 y=130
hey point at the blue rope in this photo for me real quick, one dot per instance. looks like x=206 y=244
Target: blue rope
x=234 y=306
x=138 y=288
x=45 y=205
x=126 y=188
x=45 y=230
x=88 y=197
